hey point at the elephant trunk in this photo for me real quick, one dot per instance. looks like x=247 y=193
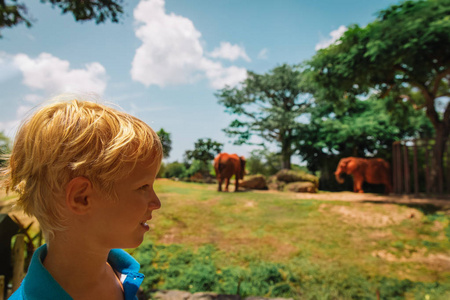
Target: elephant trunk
x=339 y=179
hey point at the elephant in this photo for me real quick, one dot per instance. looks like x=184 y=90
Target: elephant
x=370 y=170
x=227 y=165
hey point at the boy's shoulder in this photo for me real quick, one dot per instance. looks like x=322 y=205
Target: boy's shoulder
x=39 y=284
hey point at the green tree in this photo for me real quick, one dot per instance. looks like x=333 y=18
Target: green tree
x=4 y=148
x=204 y=151
x=264 y=162
x=174 y=169
x=166 y=141
x=267 y=106
x=13 y=12
x=406 y=47
x=364 y=128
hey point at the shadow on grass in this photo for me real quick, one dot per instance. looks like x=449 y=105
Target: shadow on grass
x=425 y=208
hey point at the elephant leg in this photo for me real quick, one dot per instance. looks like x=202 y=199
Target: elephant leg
x=387 y=188
x=219 y=189
x=357 y=184
x=227 y=182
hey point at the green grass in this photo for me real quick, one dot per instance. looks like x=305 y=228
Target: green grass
x=273 y=244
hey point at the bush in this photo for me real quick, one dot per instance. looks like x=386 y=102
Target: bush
x=174 y=169
x=293 y=176
x=175 y=267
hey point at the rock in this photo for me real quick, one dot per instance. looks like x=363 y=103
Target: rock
x=301 y=187
x=203 y=296
x=255 y=182
x=294 y=176
x=171 y=295
x=263 y=298
x=182 y=295
x=274 y=184
x=213 y=296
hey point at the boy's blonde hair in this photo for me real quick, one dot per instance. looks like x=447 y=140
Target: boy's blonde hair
x=74 y=138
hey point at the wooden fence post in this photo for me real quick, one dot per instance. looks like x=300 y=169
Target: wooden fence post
x=406 y=168
x=427 y=170
x=399 y=168
x=448 y=167
x=2 y=287
x=416 y=170
x=18 y=258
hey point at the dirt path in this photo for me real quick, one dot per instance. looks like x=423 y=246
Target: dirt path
x=442 y=202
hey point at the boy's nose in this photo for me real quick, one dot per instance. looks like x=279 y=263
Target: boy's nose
x=154 y=202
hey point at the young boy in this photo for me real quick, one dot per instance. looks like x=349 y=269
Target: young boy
x=86 y=172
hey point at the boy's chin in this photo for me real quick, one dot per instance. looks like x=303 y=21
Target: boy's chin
x=132 y=244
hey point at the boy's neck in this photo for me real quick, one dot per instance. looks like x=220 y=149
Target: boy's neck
x=80 y=268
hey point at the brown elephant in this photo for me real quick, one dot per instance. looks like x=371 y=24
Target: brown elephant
x=370 y=170
x=227 y=165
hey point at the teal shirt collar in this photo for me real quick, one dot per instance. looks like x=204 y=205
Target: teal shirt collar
x=39 y=284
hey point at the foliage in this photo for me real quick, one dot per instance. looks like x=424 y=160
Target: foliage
x=175 y=267
x=166 y=142
x=404 y=52
x=323 y=249
x=199 y=159
x=263 y=162
x=13 y=12
x=204 y=150
x=196 y=166
x=362 y=128
x=268 y=106
x=179 y=268
x=4 y=148
x=174 y=169
x=298 y=175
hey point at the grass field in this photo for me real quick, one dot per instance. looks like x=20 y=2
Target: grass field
x=348 y=249
x=265 y=243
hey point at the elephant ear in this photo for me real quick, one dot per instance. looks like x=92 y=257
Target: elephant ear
x=345 y=161
x=242 y=161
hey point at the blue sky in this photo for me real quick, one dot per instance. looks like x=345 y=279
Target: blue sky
x=165 y=60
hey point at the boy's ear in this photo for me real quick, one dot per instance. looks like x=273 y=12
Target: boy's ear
x=79 y=191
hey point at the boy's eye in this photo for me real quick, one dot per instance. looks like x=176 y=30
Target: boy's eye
x=144 y=187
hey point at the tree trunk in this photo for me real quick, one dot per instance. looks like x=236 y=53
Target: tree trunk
x=286 y=155
x=442 y=130
x=286 y=162
x=437 y=162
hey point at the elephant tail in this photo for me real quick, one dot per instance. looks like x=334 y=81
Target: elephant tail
x=218 y=166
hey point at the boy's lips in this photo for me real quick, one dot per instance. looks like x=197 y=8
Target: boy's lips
x=144 y=223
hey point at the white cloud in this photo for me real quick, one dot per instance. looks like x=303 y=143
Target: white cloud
x=54 y=75
x=171 y=51
x=220 y=76
x=263 y=54
x=7 y=68
x=334 y=36
x=230 y=52
x=9 y=128
x=33 y=98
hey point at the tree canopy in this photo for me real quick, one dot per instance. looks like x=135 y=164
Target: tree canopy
x=4 y=148
x=166 y=142
x=204 y=150
x=199 y=159
x=267 y=105
x=407 y=48
x=13 y=12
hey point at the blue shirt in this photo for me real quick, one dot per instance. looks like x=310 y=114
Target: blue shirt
x=39 y=284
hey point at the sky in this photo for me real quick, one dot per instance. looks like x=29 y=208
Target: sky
x=166 y=59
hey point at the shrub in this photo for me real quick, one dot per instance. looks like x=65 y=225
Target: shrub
x=174 y=169
x=293 y=176
x=178 y=268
